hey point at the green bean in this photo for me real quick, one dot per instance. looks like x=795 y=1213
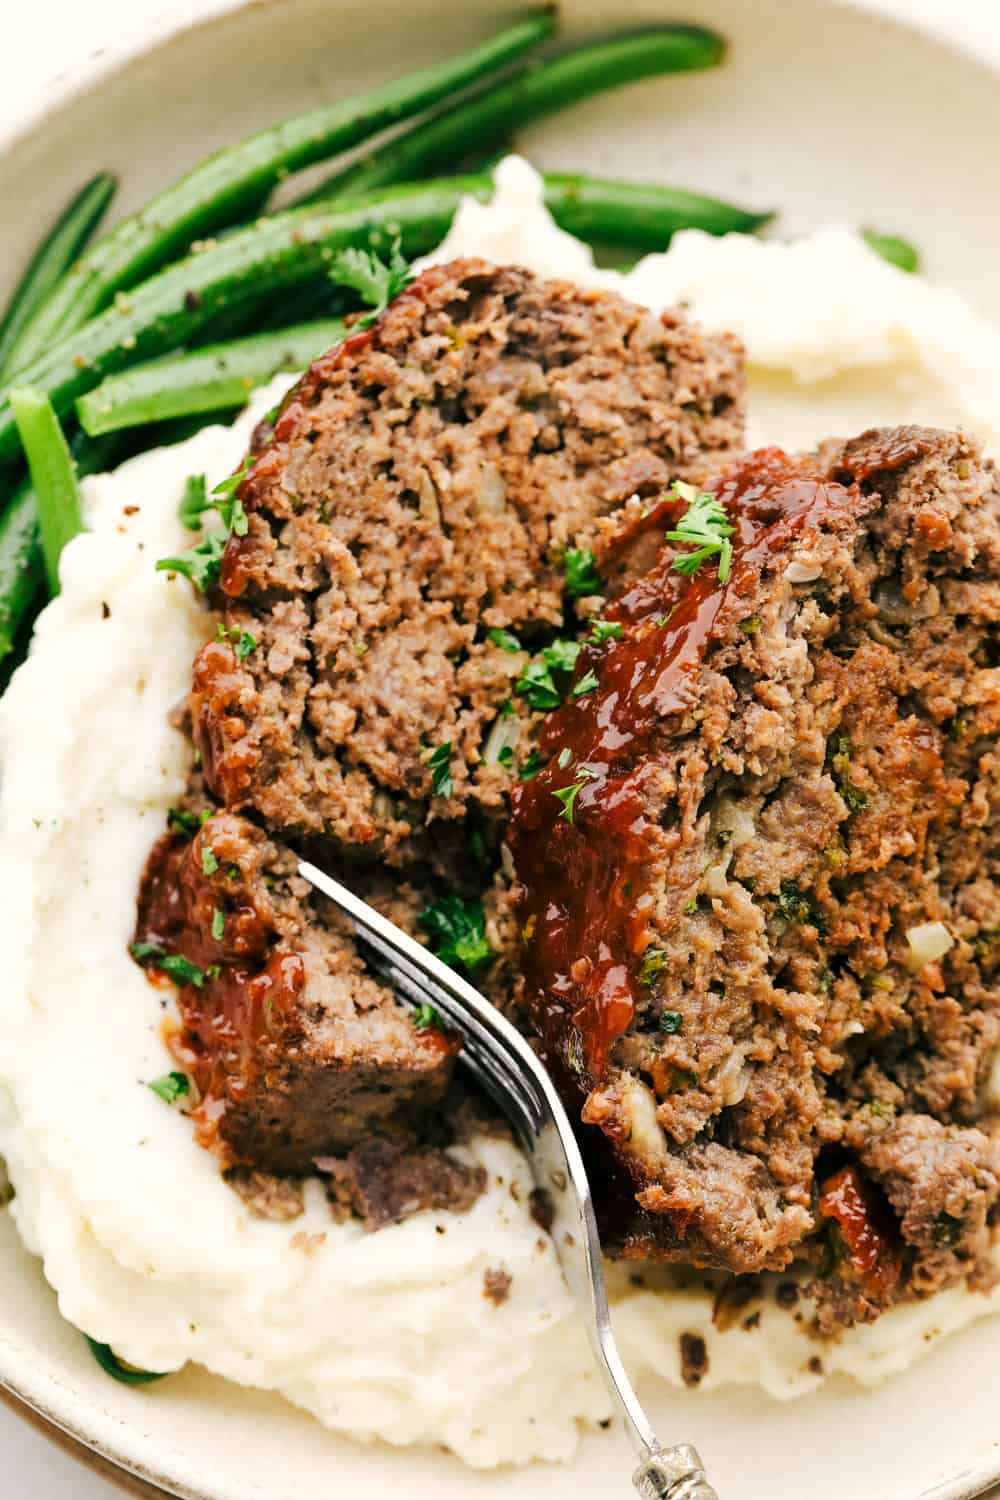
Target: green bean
x=22 y=566
x=246 y=268
x=60 y=517
x=640 y=214
x=537 y=89
x=236 y=181
x=894 y=249
x=54 y=256
x=213 y=378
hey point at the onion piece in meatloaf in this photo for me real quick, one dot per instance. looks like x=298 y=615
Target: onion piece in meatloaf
x=421 y=487
x=761 y=936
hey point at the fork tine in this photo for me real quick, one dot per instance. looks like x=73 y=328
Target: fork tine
x=466 y=1002
x=487 y=1057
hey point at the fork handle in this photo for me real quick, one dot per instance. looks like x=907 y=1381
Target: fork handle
x=673 y=1474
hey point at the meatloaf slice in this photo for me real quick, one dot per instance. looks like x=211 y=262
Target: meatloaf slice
x=759 y=897
x=426 y=484
x=295 y=1051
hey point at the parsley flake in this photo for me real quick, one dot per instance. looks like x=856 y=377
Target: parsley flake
x=457 y=932
x=531 y=767
x=671 y=1022
x=171 y=1087
x=193 y=502
x=439 y=764
x=587 y=684
x=705 y=527
x=505 y=756
x=505 y=639
x=178 y=968
x=209 y=863
x=536 y=684
x=201 y=564
x=654 y=959
x=582 y=577
x=604 y=630
x=218 y=924
x=425 y=1015
x=567 y=795
x=376 y=281
x=245 y=645
x=561 y=655
x=179 y=821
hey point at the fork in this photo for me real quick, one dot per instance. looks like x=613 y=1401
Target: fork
x=501 y=1061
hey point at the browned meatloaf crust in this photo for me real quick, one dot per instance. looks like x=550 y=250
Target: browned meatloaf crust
x=421 y=488
x=780 y=781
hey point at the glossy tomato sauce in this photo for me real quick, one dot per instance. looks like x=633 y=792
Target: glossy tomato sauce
x=584 y=930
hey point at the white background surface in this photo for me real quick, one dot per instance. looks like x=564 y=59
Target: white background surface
x=41 y=40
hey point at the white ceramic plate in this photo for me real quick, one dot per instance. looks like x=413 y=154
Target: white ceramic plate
x=823 y=110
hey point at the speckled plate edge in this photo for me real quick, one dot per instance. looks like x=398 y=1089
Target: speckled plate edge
x=101 y=1442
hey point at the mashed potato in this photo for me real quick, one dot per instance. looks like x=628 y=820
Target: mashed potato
x=386 y=1336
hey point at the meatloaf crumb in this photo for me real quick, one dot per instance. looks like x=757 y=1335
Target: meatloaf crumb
x=497 y=1284
x=279 y=1199
x=694 y=1359
x=782 y=781
x=382 y=1181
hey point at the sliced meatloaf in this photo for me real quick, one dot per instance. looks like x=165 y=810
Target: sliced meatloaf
x=294 y=1050
x=413 y=512
x=758 y=878
x=428 y=482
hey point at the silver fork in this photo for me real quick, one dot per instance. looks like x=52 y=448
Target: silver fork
x=500 y=1059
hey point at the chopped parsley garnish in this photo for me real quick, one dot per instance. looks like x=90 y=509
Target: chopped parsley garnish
x=242 y=642
x=671 y=1022
x=439 y=764
x=855 y=797
x=178 y=968
x=171 y=1087
x=218 y=924
x=604 y=630
x=750 y=625
x=654 y=959
x=112 y=1365
x=582 y=577
x=531 y=767
x=201 y=564
x=229 y=505
x=505 y=756
x=705 y=527
x=561 y=655
x=587 y=684
x=457 y=930
x=209 y=863
x=505 y=639
x=567 y=795
x=186 y=822
x=375 y=281
x=193 y=501
x=536 y=684
x=797 y=908
x=425 y=1015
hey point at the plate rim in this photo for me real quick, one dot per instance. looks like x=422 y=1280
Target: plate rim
x=32 y=1393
